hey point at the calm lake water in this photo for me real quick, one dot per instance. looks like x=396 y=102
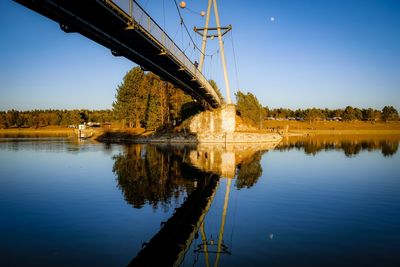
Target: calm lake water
x=307 y=202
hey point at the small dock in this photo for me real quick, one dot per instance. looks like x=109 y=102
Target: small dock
x=84 y=132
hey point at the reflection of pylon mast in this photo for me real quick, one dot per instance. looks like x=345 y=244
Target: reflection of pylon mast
x=205 y=247
x=204 y=33
x=221 y=230
x=221 y=247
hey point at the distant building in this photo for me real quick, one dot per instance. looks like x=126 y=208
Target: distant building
x=337 y=118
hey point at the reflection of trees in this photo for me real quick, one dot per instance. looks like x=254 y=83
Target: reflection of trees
x=350 y=147
x=311 y=148
x=249 y=171
x=389 y=148
x=146 y=174
x=157 y=175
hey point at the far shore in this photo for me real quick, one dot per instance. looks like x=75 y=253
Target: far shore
x=333 y=127
x=285 y=128
x=49 y=130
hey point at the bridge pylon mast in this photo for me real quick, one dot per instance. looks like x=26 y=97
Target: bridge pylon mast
x=221 y=31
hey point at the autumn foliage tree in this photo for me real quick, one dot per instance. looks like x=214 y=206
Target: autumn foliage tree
x=249 y=107
x=130 y=96
x=313 y=114
x=389 y=113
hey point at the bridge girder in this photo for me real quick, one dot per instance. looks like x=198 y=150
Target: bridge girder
x=100 y=21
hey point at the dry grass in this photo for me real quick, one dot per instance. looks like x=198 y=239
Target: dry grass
x=51 y=130
x=44 y=131
x=334 y=127
x=294 y=128
x=334 y=138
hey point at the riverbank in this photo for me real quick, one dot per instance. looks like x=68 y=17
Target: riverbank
x=47 y=131
x=185 y=137
x=285 y=128
x=50 y=130
x=333 y=127
x=132 y=136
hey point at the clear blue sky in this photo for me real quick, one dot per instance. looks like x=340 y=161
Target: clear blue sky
x=317 y=53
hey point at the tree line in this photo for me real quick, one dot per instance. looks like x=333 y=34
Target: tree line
x=52 y=117
x=250 y=108
x=144 y=100
x=388 y=113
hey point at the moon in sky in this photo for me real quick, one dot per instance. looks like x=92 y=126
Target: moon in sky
x=272 y=19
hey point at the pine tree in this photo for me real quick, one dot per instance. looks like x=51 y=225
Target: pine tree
x=145 y=100
x=131 y=98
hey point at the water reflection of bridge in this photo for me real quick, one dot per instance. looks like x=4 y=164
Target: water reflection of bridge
x=199 y=173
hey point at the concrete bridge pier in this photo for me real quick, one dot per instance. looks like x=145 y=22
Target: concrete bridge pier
x=217 y=124
x=220 y=126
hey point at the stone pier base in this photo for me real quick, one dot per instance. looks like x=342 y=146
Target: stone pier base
x=218 y=126
x=222 y=120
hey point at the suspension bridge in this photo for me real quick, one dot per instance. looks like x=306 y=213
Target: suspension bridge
x=128 y=30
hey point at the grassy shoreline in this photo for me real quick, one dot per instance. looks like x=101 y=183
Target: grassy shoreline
x=38 y=131
x=286 y=128
x=333 y=128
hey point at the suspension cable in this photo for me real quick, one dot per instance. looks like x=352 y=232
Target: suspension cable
x=192 y=11
x=234 y=60
x=187 y=31
x=211 y=70
x=177 y=31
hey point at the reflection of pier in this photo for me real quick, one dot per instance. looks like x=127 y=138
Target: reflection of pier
x=223 y=159
x=169 y=245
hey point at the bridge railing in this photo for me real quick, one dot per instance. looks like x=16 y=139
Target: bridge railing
x=141 y=18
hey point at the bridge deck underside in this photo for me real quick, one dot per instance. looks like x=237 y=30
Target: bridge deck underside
x=102 y=23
